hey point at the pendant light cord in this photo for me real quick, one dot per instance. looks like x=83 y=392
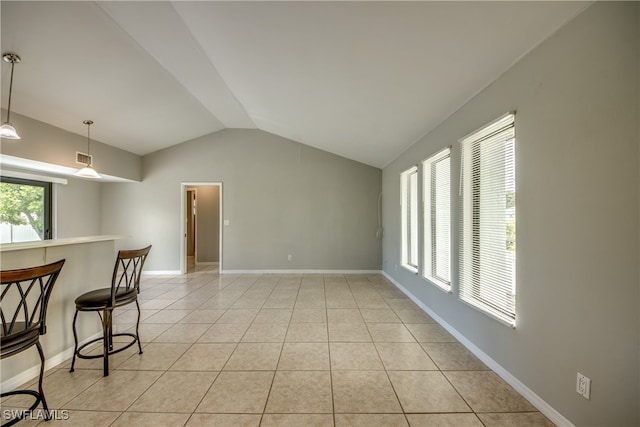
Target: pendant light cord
x=13 y=63
x=88 y=123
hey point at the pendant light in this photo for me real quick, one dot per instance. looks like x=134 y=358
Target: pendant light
x=88 y=171
x=7 y=130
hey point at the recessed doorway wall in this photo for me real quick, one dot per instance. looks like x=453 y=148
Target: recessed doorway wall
x=201 y=225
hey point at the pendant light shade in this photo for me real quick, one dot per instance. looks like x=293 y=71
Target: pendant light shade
x=7 y=131
x=88 y=171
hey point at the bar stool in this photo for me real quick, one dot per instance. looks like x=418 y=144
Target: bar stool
x=23 y=309
x=125 y=287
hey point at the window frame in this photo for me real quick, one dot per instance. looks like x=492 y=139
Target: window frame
x=431 y=209
x=410 y=219
x=48 y=200
x=487 y=276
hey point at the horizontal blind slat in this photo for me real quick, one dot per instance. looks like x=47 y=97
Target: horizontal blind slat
x=437 y=218
x=487 y=220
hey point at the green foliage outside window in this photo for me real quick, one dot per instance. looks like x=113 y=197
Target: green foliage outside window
x=22 y=204
x=511 y=223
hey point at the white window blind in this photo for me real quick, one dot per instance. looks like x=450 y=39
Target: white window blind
x=409 y=211
x=487 y=222
x=437 y=219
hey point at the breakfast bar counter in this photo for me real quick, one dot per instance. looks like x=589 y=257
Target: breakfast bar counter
x=89 y=265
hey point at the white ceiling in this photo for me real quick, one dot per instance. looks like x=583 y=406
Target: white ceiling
x=363 y=80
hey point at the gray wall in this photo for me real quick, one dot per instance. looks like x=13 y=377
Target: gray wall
x=78 y=204
x=577 y=165
x=78 y=208
x=45 y=143
x=280 y=198
x=208 y=220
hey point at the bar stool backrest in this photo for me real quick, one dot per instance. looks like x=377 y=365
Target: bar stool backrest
x=25 y=296
x=127 y=271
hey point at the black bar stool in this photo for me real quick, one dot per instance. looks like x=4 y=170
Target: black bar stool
x=23 y=309
x=125 y=287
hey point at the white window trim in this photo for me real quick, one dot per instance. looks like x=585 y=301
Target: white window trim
x=466 y=224
x=54 y=192
x=34 y=177
x=427 y=266
x=404 y=255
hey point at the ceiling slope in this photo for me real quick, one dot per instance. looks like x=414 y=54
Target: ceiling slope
x=169 y=41
x=363 y=80
x=78 y=64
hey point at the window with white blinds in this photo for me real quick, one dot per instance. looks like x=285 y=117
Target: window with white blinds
x=437 y=219
x=409 y=212
x=488 y=220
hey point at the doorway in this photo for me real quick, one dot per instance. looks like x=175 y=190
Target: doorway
x=201 y=226
x=191 y=214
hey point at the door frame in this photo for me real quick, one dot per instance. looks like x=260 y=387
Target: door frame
x=193 y=190
x=183 y=221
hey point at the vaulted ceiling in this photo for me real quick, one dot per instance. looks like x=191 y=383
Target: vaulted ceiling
x=363 y=80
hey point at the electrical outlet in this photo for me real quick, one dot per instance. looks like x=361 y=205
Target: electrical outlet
x=289 y=257
x=583 y=386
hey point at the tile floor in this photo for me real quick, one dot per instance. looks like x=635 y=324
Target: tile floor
x=283 y=350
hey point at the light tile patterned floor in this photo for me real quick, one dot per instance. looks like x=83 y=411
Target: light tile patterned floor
x=283 y=350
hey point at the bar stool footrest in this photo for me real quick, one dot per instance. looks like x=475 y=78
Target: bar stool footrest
x=101 y=339
x=25 y=412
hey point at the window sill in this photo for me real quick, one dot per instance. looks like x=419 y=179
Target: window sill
x=6 y=247
x=411 y=268
x=487 y=311
x=444 y=287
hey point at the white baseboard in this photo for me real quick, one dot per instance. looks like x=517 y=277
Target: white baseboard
x=33 y=372
x=177 y=272
x=160 y=272
x=555 y=416
x=300 y=272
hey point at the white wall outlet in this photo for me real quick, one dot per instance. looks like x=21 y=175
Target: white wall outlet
x=289 y=257
x=583 y=386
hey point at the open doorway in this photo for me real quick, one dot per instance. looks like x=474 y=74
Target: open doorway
x=201 y=226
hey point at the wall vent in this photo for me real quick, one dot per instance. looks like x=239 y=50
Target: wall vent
x=84 y=158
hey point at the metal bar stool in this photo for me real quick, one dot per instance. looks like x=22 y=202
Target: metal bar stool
x=23 y=309
x=125 y=287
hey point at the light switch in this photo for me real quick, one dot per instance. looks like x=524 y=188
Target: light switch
x=226 y=222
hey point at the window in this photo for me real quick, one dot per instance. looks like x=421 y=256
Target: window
x=437 y=219
x=488 y=220
x=25 y=210
x=409 y=209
